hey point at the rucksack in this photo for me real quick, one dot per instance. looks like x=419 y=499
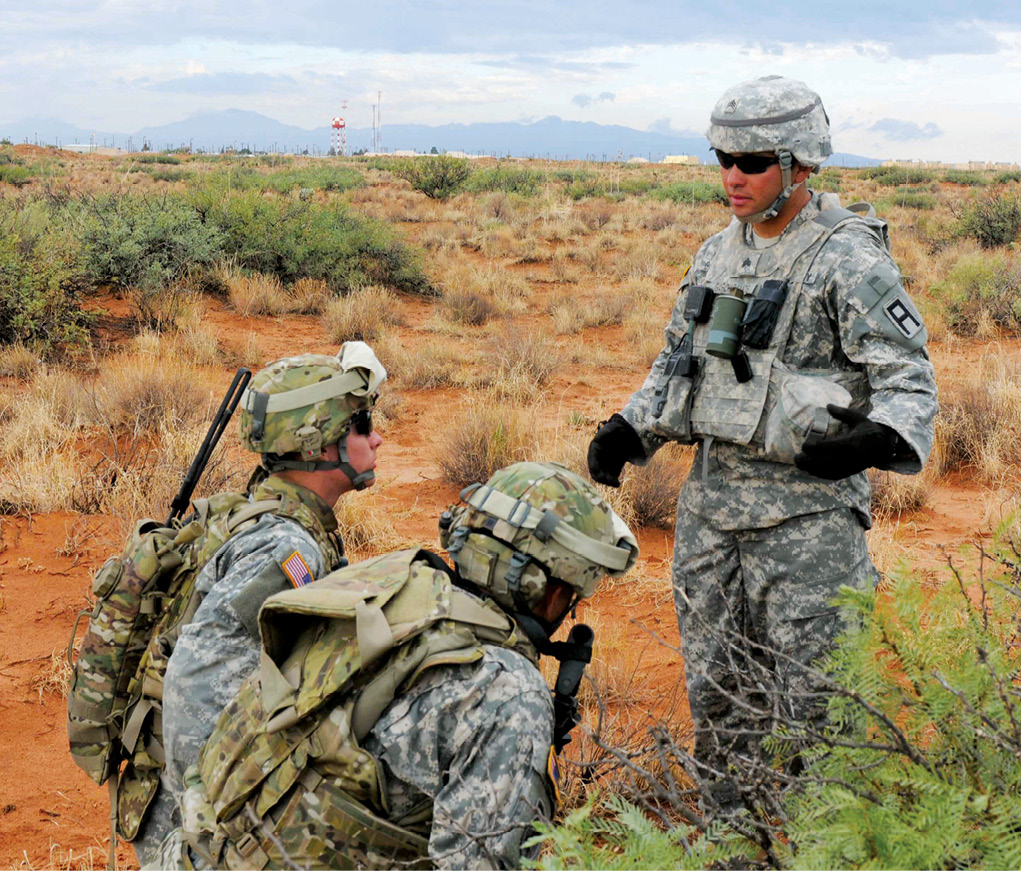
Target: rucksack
x=283 y=779
x=144 y=598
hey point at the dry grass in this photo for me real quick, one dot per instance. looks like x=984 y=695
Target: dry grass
x=505 y=290
x=430 y=366
x=979 y=425
x=524 y=362
x=310 y=296
x=571 y=314
x=257 y=294
x=54 y=677
x=365 y=527
x=363 y=314
x=894 y=495
x=18 y=361
x=468 y=307
x=483 y=437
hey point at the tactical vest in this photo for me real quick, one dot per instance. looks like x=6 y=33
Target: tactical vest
x=775 y=410
x=283 y=780
x=144 y=598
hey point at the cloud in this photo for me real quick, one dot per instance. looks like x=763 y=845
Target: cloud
x=909 y=30
x=586 y=100
x=898 y=130
x=234 y=84
x=661 y=125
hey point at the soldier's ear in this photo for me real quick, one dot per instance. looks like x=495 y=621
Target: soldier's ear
x=801 y=173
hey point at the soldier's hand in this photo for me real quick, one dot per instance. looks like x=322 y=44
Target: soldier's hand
x=862 y=445
x=614 y=444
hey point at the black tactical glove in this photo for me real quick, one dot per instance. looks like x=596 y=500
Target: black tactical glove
x=864 y=445
x=614 y=444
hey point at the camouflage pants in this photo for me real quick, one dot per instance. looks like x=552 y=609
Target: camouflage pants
x=739 y=591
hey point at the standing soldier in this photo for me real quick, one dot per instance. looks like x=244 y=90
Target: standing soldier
x=310 y=418
x=795 y=360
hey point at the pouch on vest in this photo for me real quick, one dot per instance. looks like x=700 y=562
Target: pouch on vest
x=144 y=597
x=283 y=771
x=796 y=408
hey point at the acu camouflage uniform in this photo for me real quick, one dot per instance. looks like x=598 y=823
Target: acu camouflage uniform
x=219 y=648
x=761 y=547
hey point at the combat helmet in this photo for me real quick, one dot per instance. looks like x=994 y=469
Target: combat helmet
x=774 y=114
x=530 y=523
x=299 y=405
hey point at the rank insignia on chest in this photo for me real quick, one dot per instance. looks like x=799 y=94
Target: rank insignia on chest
x=296 y=569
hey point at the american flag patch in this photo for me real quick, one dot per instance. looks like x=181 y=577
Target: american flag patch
x=296 y=569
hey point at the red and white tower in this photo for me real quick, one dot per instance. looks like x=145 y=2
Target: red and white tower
x=339 y=135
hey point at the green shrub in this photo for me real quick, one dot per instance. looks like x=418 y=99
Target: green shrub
x=437 y=177
x=41 y=284
x=897 y=175
x=992 y=220
x=965 y=176
x=170 y=175
x=693 y=191
x=980 y=284
x=908 y=199
x=146 y=242
x=571 y=175
x=294 y=239
x=1007 y=176
x=324 y=178
x=157 y=158
x=16 y=175
x=510 y=179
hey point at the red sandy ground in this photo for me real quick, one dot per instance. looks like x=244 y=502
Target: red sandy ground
x=51 y=814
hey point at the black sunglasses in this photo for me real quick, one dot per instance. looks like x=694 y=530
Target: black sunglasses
x=361 y=422
x=749 y=164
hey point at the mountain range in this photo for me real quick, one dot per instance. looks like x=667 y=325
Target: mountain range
x=551 y=137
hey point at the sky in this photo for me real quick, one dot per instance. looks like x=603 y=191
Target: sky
x=917 y=80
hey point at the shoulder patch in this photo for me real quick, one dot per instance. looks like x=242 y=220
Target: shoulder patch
x=297 y=570
x=902 y=317
x=553 y=772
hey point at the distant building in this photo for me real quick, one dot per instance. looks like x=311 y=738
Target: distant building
x=638 y=160
x=978 y=165
x=686 y=159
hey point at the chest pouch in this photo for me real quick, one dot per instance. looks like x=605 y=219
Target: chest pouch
x=671 y=405
x=763 y=312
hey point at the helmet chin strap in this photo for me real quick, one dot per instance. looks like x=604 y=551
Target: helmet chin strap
x=786 y=162
x=359 y=480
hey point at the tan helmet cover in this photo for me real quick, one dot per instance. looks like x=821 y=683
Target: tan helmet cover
x=534 y=519
x=303 y=403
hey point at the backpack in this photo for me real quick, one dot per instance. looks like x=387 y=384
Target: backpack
x=283 y=779
x=144 y=598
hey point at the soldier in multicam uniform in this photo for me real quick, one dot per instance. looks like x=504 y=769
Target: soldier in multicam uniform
x=309 y=417
x=454 y=765
x=833 y=379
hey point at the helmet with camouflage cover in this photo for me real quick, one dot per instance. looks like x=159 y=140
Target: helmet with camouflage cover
x=300 y=405
x=533 y=522
x=773 y=114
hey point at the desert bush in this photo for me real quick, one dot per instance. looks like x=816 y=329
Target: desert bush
x=509 y=179
x=965 y=177
x=296 y=239
x=143 y=394
x=486 y=436
x=437 y=177
x=993 y=220
x=897 y=175
x=692 y=191
x=977 y=286
x=157 y=158
x=321 y=177
x=908 y=199
x=16 y=175
x=149 y=242
x=1007 y=176
x=363 y=314
x=41 y=283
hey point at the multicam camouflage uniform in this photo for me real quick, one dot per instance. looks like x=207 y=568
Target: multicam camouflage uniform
x=219 y=648
x=473 y=741
x=762 y=547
